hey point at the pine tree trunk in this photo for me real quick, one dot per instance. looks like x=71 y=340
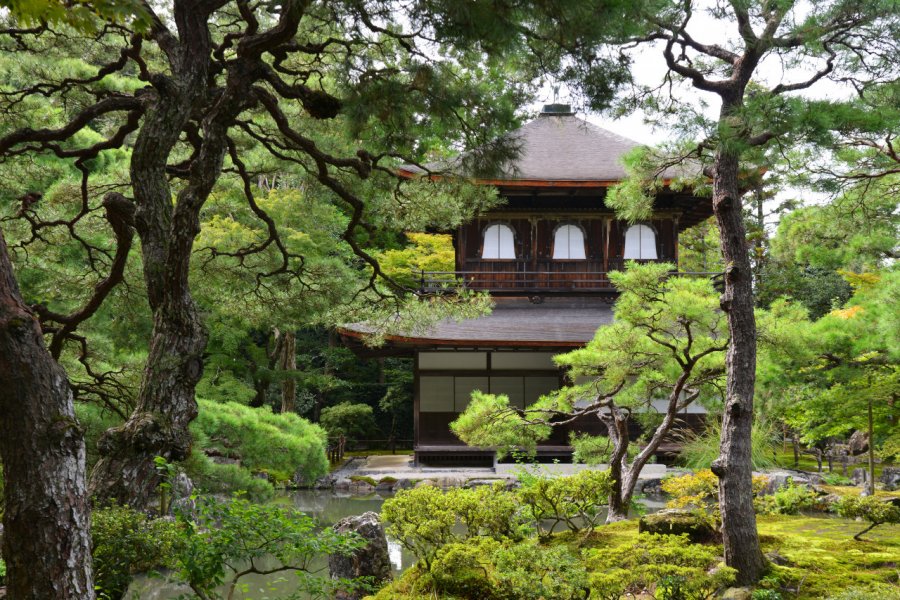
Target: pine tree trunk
x=734 y=466
x=619 y=501
x=46 y=542
x=288 y=364
x=166 y=405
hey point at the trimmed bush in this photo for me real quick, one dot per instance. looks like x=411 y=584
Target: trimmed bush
x=351 y=420
x=281 y=445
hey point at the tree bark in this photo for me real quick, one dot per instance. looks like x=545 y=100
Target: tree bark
x=288 y=364
x=46 y=540
x=619 y=500
x=733 y=466
x=166 y=405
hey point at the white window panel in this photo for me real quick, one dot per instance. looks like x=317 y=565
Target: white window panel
x=522 y=361
x=535 y=387
x=640 y=243
x=436 y=394
x=568 y=243
x=499 y=243
x=464 y=388
x=449 y=361
x=512 y=387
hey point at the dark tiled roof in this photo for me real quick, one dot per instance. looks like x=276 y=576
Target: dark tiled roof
x=561 y=148
x=515 y=322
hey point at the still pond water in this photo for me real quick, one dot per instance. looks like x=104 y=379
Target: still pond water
x=328 y=508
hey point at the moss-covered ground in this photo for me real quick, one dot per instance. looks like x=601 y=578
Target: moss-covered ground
x=818 y=556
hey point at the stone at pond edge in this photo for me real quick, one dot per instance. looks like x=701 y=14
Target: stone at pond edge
x=372 y=560
x=890 y=477
x=676 y=522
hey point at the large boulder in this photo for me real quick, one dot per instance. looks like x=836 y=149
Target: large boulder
x=858 y=443
x=372 y=560
x=890 y=477
x=859 y=476
x=781 y=479
x=700 y=528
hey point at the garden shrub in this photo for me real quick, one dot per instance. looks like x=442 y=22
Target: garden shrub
x=282 y=445
x=576 y=500
x=423 y=519
x=700 y=490
x=348 y=419
x=228 y=479
x=2 y=572
x=836 y=479
x=869 y=508
x=126 y=542
x=788 y=500
x=667 y=564
x=493 y=570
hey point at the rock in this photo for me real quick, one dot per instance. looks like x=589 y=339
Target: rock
x=829 y=499
x=700 y=529
x=361 y=487
x=402 y=484
x=890 y=477
x=385 y=484
x=182 y=486
x=426 y=482
x=325 y=482
x=859 y=476
x=782 y=479
x=650 y=487
x=446 y=483
x=225 y=460
x=737 y=593
x=858 y=443
x=777 y=559
x=342 y=484
x=473 y=483
x=372 y=560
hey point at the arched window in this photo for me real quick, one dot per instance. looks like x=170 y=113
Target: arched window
x=640 y=243
x=498 y=243
x=568 y=243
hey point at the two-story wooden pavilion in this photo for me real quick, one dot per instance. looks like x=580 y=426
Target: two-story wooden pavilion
x=544 y=256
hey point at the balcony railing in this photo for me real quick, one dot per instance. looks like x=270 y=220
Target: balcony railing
x=518 y=282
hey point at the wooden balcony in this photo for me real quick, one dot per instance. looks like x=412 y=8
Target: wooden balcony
x=512 y=278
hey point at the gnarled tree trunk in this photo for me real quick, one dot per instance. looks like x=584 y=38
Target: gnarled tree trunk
x=734 y=466
x=46 y=542
x=166 y=405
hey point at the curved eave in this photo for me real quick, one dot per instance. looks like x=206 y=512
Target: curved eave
x=535 y=183
x=412 y=342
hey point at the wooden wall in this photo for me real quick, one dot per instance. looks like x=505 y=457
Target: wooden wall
x=534 y=266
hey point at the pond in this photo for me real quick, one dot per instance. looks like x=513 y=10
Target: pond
x=328 y=508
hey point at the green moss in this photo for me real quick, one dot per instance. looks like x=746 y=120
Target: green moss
x=821 y=558
x=390 y=480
